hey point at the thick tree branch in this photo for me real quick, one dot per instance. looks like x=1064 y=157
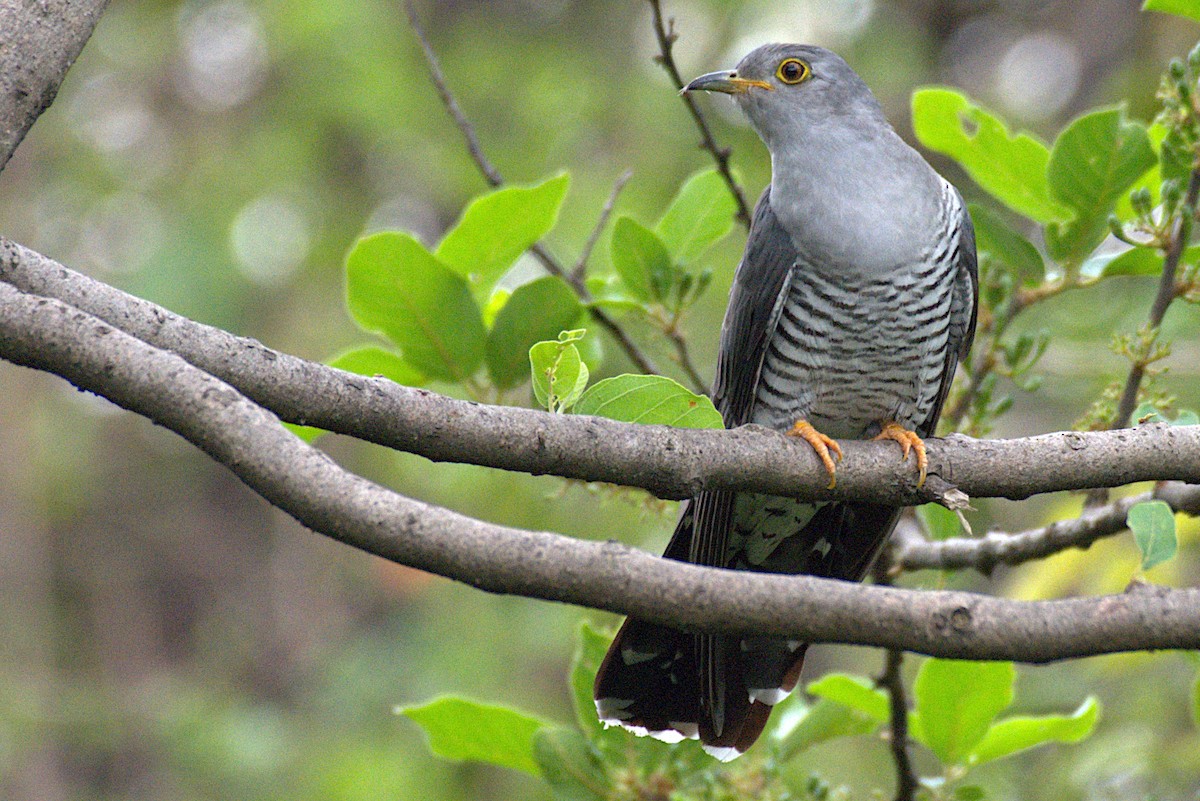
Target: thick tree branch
x=671 y=463
x=985 y=553
x=50 y=335
x=38 y=44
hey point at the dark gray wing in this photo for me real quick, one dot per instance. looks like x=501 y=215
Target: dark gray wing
x=964 y=309
x=759 y=286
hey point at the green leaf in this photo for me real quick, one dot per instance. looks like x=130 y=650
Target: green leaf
x=650 y=400
x=995 y=238
x=825 y=720
x=1143 y=261
x=1135 y=261
x=396 y=288
x=1196 y=700
x=699 y=217
x=956 y=702
x=855 y=692
x=466 y=730
x=641 y=259
x=1011 y=168
x=372 y=360
x=570 y=765
x=559 y=374
x=969 y=792
x=1015 y=734
x=536 y=311
x=1097 y=158
x=1153 y=527
x=590 y=649
x=1180 y=8
x=498 y=227
x=940 y=522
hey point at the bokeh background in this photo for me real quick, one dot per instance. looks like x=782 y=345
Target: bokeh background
x=165 y=634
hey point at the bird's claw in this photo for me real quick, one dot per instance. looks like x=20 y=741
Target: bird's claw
x=909 y=442
x=820 y=443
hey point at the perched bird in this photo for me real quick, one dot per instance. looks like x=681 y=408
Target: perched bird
x=852 y=306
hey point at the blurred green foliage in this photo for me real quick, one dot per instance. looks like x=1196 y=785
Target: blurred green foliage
x=167 y=635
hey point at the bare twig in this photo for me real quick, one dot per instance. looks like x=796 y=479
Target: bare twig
x=1162 y=300
x=893 y=682
x=490 y=173
x=684 y=359
x=666 y=36
x=996 y=548
x=639 y=359
x=50 y=335
x=672 y=463
x=579 y=273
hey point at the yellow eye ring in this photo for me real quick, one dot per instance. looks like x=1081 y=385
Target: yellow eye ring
x=792 y=71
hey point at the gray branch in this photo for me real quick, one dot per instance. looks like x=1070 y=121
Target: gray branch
x=671 y=463
x=50 y=335
x=38 y=44
x=996 y=548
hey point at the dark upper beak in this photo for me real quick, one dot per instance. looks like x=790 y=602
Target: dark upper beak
x=725 y=81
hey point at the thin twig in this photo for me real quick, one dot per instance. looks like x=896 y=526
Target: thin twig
x=893 y=682
x=579 y=273
x=910 y=551
x=665 y=33
x=1167 y=292
x=684 y=360
x=490 y=173
x=640 y=360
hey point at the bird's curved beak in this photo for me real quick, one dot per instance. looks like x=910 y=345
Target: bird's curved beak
x=724 y=81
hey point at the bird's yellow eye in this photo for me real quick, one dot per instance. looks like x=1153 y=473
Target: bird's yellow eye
x=792 y=71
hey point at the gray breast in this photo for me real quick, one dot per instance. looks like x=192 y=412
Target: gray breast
x=850 y=350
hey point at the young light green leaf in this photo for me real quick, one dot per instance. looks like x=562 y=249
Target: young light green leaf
x=570 y=765
x=650 y=400
x=855 y=692
x=1011 y=168
x=699 y=217
x=559 y=374
x=1153 y=527
x=641 y=260
x=1180 y=8
x=825 y=720
x=466 y=730
x=1015 y=734
x=589 y=653
x=498 y=227
x=956 y=702
x=535 y=312
x=995 y=238
x=372 y=360
x=397 y=288
x=1096 y=159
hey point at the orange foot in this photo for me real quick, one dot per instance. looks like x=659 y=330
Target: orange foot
x=908 y=441
x=821 y=444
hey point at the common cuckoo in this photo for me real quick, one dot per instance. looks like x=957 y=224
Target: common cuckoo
x=852 y=306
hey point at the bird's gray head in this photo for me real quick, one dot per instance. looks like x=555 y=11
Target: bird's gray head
x=787 y=88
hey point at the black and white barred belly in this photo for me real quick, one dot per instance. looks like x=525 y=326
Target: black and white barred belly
x=849 y=352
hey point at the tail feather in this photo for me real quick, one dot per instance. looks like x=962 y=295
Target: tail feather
x=672 y=685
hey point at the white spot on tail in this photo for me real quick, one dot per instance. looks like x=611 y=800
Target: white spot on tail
x=723 y=753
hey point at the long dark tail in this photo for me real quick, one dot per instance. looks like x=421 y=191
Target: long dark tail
x=672 y=684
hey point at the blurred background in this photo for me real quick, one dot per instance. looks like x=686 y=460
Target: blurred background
x=166 y=634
